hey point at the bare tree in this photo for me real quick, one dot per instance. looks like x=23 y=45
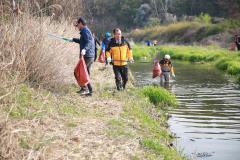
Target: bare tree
x=232 y=7
x=142 y=15
x=162 y=8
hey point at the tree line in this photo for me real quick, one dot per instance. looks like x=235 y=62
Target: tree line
x=104 y=15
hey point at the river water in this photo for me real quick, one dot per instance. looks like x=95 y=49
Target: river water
x=207 y=120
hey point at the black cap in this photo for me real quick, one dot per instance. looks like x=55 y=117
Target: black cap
x=81 y=20
x=116 y=30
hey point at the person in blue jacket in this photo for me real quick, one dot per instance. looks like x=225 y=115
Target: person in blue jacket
x=105 y=43
x=87 y=49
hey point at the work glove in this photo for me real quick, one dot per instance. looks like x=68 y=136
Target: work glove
x=109 y=59
x=131 y=60
x=103 y=47
x=68 y=39
x=83 y=52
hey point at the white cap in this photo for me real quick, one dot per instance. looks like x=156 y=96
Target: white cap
x=167 y=57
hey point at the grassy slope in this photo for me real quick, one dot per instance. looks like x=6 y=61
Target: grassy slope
x=122 y=125
x=223 y=59
x=183 y=32
x=36 y=123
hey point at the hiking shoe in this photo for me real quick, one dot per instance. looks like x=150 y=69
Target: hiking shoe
x=83 y=92
x=119 y=88
x=89 y=94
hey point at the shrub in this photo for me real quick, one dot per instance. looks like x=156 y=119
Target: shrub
x=222 y=64
x=159 y=96
x=153 y=22
x=204 y=18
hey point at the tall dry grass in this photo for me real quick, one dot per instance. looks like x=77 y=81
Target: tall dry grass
x=54 y=8
x=27 y=54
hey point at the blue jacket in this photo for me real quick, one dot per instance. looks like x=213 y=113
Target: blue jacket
x=105 y=43
x=86 y=42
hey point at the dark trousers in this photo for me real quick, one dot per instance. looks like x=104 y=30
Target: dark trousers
x=121 y=76
x=89 y=62
x=238 y=46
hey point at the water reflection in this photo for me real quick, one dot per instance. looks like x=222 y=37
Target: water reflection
x=166 y=85
x=207 y=120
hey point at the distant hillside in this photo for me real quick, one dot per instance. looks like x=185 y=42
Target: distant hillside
x=190 y=32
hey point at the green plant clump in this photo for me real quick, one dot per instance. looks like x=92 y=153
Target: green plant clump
x=159 y=96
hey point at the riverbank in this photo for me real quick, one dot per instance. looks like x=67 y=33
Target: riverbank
x=109 y=125
x=207 y=112
x=42 y=116
x=223 y=59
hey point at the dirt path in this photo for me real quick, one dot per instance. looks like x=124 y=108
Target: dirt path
x=71 y=126
x=90 y=138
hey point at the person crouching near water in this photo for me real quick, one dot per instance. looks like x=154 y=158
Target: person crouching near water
x=118 y=53
x=167 y=69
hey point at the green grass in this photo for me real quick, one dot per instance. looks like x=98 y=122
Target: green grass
x=230 y=65
x=143 y=51
x=143 y=120
x=118 y=128
x=159 y=96
x=66 y=108
x=26 y=105
x=223 y=59
x=140 y=120
x=194 y=53
x=186 y=53
x=156 y=146
x=151 y=123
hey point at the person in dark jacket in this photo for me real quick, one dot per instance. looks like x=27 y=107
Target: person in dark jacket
x=237 y=41
x=97 y=43
x=87 y=49
x=148 y=43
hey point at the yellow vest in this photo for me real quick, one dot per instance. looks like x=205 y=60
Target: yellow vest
x=120 y=53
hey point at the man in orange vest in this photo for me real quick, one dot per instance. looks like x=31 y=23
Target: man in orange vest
x=118 y=53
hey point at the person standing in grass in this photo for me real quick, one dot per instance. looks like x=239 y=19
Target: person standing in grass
x=96 y=43
x=167 y=69
x=105 y=43
x=237 y=41
x=155 y=43
x=87 y=50
x=118 y=53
